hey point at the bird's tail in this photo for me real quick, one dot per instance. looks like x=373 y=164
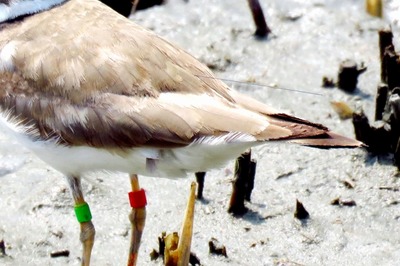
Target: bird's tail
x=284 y=127
x=329 y=140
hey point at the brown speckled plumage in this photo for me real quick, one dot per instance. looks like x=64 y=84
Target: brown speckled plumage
x=87 y=76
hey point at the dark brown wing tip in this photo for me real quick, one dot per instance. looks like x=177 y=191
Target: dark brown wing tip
x=329 y=140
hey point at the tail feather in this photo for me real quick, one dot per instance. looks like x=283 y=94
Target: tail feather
x=329 y=140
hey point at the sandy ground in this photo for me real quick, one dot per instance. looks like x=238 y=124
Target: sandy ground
x=310 y=39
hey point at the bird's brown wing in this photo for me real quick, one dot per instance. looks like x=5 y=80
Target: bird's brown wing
x=87 y=76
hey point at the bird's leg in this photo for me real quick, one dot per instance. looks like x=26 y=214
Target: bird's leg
x=137 y=217
x=84 y=217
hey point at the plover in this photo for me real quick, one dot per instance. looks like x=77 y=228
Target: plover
x=87 y=89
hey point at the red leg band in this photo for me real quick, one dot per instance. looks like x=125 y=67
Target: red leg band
x=137 y=199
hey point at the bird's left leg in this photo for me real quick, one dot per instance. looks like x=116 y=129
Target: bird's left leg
x=84 y=217
x=137 y=217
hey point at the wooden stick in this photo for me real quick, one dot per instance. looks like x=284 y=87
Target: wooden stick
x=385 y=42
x=200 y=177
x=250 y=180
x=380 y=102
x=185 y=240
x=242 y=167
x=262 y=30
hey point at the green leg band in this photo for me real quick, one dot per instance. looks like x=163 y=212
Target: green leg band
x=82 y=213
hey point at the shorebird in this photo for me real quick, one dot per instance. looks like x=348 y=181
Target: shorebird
x=87 y=89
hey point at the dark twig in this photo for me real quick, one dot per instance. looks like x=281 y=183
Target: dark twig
x=391 y=64
x=200 y=176
x=262 y=30
x=380 y=102
x=377 y=137
x=250 y=180
x=383 y=136
x=362 y=129
x=348 y=75
x=236 y=204
x=245 y=170
x=2 y=248
x=385 y=41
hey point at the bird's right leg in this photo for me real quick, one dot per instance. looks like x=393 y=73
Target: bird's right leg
x=84 y=217
x=137 y=218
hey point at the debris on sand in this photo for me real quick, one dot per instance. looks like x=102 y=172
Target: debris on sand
x=60 y=253
x=2 y=248
x=301 y=213
x=383 y=136
x=245 y=170
x=217 y=248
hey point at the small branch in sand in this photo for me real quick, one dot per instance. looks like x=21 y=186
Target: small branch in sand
x=262 y=29
x=243 y=185
x=250 y=180
x=348 y=75
x=383 y=136
x=376 y=136
x=385 y=42
x=200 y=176
x=175 y=250
x=2 y=248
x=380 y=102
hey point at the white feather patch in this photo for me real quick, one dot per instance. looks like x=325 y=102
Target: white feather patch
x=233 y=137
x=7 y=56
x=13 y=127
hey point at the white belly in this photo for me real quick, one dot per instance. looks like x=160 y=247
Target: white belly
x=201 y=155
x=143 y=161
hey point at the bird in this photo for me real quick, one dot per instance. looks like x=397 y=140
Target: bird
x=86 y=89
